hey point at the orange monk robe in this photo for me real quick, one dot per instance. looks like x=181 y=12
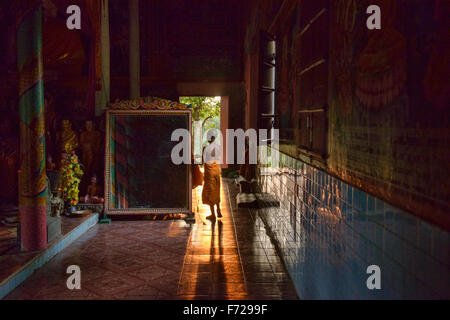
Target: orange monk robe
x=197 y=176
x=211 y=187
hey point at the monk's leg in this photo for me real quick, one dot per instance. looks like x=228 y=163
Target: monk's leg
x=212 y=216
x=219 y=213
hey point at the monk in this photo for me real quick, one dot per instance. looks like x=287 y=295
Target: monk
x=211 y=186
x=197 y=175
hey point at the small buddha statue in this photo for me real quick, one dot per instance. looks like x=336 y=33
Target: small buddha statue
x=93 y=192
x=90 y=142
x=67 y=138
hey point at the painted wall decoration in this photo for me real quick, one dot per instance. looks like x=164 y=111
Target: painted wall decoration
x=342 y=55
x=388 y=120
x=285 y=79
x=389 y=132
x=312 y=77
x=72 y=57
x=381 y=65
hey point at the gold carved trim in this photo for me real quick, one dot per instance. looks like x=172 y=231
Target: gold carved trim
x=148 y=103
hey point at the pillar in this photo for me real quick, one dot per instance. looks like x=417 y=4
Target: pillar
x=134 y=49
x=103 y=96
x=32 y=177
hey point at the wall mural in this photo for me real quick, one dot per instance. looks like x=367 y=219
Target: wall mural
x=388 y=127
x=388 y=122
x=285 y=79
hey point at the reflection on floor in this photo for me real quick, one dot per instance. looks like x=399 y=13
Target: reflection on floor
x=229 y=259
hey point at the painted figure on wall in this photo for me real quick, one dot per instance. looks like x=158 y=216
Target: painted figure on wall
x=63 y=51
x=398 y=94
x=342 y=51
x=381 y=66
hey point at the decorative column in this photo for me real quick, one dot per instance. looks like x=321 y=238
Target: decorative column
x=135 y=76
x=103 y=96
x=32 y=176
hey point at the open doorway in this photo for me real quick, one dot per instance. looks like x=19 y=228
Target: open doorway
x=206 y=115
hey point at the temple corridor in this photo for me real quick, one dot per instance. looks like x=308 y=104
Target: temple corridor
x=322 y=125
x=232 y=258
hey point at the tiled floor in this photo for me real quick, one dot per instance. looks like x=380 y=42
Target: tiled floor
x=168 y=260
x=14 y=259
